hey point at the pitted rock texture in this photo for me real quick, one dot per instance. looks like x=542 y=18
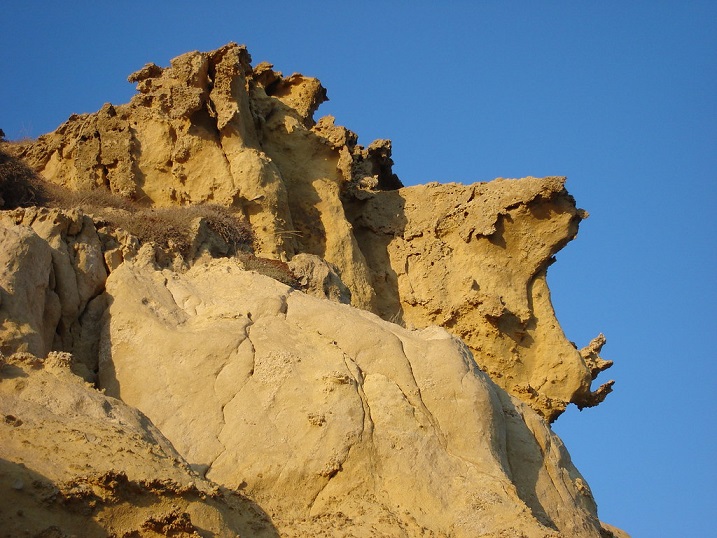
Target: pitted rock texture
x=212 y=129
x=476 y=264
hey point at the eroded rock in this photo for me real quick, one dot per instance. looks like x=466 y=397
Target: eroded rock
x=210 y=128
x=54 y=273
x=319 y=278
x=475 y=263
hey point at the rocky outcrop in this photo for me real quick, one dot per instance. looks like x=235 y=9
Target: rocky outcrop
x=52 y=269
x=327 y=417
x=420 y=409
x=212 y=129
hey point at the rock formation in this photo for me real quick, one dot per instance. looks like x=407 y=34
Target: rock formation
x=419 y=407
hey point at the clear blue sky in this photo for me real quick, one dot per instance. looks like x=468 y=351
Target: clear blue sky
x=618 y=96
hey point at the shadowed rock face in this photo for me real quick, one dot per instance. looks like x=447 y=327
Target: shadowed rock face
x=329 y=417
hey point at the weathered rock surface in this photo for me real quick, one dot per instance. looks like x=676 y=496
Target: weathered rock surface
x=51 y=269
x=333 y=419
x=319 y=278
x=212 y=129
x=74 y=462
x=301 y=401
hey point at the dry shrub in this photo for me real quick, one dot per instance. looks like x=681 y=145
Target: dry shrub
x=95 y=201
x=164 y=227
x=171 y=228
x=237 y=233
x=20 y=186
x=275 y=269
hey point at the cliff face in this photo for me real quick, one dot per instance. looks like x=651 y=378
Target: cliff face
x=353 y=420
x=212 y=129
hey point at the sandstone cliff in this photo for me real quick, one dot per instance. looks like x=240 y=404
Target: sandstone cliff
x=328 y=417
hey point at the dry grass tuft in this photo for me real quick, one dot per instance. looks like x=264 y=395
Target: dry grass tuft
x=171 y=228
x=275 y=269
x=174 y=228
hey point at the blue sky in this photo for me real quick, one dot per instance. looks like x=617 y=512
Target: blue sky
x=618 y=96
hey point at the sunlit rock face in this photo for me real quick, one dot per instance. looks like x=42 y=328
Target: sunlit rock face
x=418 y=407
x=316 y=408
